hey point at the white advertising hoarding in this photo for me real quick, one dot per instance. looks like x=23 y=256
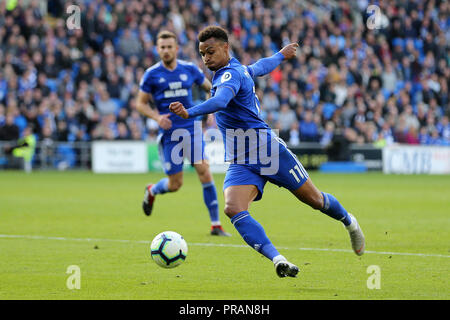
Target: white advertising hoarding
x=119 y=157
x=416 y=159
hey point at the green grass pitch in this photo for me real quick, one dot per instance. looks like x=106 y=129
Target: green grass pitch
x=52 y=220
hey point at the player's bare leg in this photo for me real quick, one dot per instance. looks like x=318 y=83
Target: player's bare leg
x=170 y=184
x=175 y=181
x=237 y=202
x=210 y=198
x=309 y=194
x=239 y=198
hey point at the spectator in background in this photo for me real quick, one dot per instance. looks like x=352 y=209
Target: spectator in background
x=435 y=139
x=389 y=78
x=9 y=131
x=410 y=118
x=22 y=150
x=62 y=133
x=339 y=148
x=2 y=115
x=339 y=71
x=50 y=68
x=443 y=127
x=114 y=86
x=308 y=128
x=387 y=133
x=270 y=101
x=122 y=132
x=327 y=136
x=3 y=85
x=84 y=74
x=424 y=137
x=129 y=45
x=42 y=85
x=294 y=135
x=286 y=119
x=370 y=133
x=104 y=104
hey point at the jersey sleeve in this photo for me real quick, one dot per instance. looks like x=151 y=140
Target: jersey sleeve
x=145 y=84
x=216 y=103
x=229 y=78
x=265 y=65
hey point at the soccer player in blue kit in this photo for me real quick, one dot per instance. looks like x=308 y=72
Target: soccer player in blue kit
x=236 y=109
x=167 y=81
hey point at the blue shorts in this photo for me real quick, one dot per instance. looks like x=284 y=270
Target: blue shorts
x=185 y=146
x=290 y=174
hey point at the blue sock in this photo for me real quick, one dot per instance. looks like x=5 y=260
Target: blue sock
x=254 y=234
x=161 y=187
x=210 y=198
x=333 y=209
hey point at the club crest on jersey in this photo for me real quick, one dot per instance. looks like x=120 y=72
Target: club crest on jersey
x=225 y=77
x=183 y=77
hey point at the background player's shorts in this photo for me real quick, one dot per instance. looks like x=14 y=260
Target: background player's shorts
x=290 y=175
x=172 y=153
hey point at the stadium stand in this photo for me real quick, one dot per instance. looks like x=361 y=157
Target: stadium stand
x=386 y=85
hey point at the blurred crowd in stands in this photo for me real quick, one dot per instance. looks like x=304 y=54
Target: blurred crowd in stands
x=379 y=84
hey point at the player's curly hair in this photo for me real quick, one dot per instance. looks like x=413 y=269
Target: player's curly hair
x=213 y=32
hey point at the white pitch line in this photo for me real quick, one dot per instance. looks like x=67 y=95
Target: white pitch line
x=31 y=237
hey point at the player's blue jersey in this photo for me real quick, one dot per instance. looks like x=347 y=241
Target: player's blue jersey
x=167 y=86
x=242 y=112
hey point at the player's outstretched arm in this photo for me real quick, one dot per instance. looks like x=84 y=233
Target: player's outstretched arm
x=143 y=106
x=220 y=101
x=266 y=65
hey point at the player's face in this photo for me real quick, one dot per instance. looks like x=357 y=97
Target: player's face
x=214 y=53
x=167 y=49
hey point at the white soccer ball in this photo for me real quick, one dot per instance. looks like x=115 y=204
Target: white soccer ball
x=169 y=249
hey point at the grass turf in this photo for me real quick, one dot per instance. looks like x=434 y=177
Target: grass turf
x=47 y=219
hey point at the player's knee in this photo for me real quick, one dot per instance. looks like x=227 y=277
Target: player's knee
x=231 y=210
x=205 y=176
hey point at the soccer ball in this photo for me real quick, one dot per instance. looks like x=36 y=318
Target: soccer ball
x=168 y=249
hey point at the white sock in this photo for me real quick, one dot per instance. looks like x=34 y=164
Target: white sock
x=278 y=258
x=352 y=226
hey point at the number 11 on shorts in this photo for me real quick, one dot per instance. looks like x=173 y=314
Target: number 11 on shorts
x=295 y=175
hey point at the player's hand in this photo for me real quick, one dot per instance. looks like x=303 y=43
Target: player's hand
x=164 y=121
x=179 y=109
x=290 y=50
